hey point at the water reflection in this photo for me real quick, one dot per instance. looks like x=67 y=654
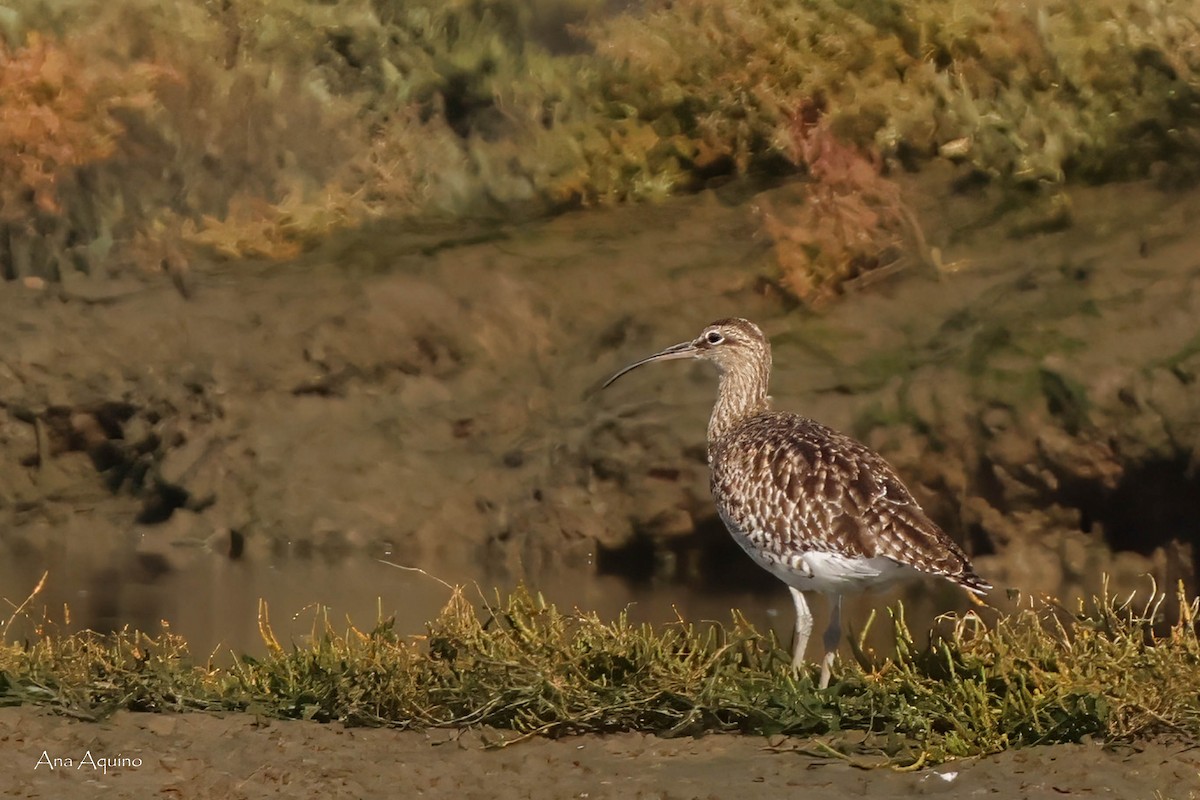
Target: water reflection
x=213 y=601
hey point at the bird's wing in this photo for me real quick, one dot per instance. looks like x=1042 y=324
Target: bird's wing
x=799 y=486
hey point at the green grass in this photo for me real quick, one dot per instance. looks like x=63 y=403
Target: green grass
x=1041 y=674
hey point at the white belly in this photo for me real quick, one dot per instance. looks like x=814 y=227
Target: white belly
x=829 y=573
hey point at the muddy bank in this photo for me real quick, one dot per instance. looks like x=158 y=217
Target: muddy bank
x=200 y=756
x=429 y=397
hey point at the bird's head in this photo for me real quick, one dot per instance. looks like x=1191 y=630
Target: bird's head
x=732 y=344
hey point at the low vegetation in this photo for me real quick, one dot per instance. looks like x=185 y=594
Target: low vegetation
x=1110 y=668
x=253 y=128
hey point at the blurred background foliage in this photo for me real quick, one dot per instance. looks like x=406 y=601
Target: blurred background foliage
x=133 y=132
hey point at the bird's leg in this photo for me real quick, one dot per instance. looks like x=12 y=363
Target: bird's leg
x=833 y=635
x=804 y=626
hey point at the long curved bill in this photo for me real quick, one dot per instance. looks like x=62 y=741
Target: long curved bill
x=681 y=350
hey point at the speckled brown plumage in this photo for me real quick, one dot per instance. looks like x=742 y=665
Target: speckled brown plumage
x=817 y=509
x=786 y=485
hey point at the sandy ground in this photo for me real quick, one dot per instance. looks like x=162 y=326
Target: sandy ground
x=239 y=756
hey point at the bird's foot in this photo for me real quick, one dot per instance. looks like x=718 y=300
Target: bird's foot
x=826 y=670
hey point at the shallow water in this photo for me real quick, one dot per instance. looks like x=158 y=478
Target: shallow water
x=214 y=602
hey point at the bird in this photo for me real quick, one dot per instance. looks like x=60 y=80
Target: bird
x=814 y=507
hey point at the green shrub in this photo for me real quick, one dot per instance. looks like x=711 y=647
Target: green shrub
x=255 y=127
x=1101 y=90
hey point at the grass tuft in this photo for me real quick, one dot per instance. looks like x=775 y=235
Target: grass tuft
x=1040 y=674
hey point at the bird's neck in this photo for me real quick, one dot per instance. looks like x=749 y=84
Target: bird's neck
x=741 y=394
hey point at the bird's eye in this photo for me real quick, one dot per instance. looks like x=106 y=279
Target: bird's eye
x=714 y=337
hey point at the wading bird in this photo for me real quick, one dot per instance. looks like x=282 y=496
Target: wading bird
x=818 y=510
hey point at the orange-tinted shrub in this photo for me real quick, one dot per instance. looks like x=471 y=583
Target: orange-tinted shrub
x=56 y=116
x=852 y=218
